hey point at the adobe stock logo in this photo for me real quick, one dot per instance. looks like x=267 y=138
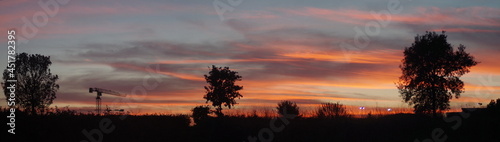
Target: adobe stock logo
x=372 y=28
x=221 y=7
x=30 y=27
x=149 y=82
x=439 y=134
x=267 y=134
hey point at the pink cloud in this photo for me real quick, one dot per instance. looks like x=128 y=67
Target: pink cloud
x=468 y=16
x=261 y=15
x=466 y=30
x=173 y=74
x=367 y=57
x=219 y=61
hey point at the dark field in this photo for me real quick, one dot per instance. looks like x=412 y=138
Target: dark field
x=474 y=126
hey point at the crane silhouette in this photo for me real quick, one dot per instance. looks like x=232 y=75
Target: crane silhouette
x=99 y=94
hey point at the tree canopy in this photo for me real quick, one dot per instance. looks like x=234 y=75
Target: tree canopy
x=221 y=89
x=36 y=86
x=431 y=71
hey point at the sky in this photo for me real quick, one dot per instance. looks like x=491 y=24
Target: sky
x=309 y=52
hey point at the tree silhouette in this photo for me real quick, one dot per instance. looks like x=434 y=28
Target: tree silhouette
x=36 y=87
x=332 y=110
x=431 y=71
x=287 y=107
x=200 y=113
x=494 y=106
x=221 y=89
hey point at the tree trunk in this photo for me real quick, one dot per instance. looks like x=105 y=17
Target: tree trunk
x=218 y=111
x=33 y=112
x=434 y=103
x=434 y=112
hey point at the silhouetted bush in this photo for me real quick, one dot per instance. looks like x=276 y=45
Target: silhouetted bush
x=287 y=107
x=200 y=113
x=173 y=128
x=56 y=111
x=332 y=110
x=494 y=106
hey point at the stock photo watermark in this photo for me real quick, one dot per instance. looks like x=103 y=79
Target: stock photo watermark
x=106 y=126
x=267 y=134
x=439 y=135
x=11 y=80
x=39 y=19
x=362 y=38
x=29 y=29
x=222 y=7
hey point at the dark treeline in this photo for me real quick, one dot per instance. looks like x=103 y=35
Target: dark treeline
x=480 y=125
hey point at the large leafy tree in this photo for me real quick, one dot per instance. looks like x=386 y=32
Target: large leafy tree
x=222 y=89
x=431 y=73
x=36 y=87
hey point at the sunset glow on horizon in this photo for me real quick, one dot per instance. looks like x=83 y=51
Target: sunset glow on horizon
x=157 y=52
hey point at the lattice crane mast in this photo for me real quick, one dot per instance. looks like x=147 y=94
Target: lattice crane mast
x=99 y=94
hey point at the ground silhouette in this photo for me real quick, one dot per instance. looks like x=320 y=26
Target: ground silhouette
x=68 y=126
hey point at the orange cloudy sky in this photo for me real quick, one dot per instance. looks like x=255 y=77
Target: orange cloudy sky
x=309 y=52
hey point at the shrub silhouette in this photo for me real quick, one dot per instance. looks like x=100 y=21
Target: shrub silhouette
x=287 y=108
x=332 y=110
x=494 y=106
x=165 y=127
x=200 y=113
x=65 y=111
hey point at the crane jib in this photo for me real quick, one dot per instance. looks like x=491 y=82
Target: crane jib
x=100 y=91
